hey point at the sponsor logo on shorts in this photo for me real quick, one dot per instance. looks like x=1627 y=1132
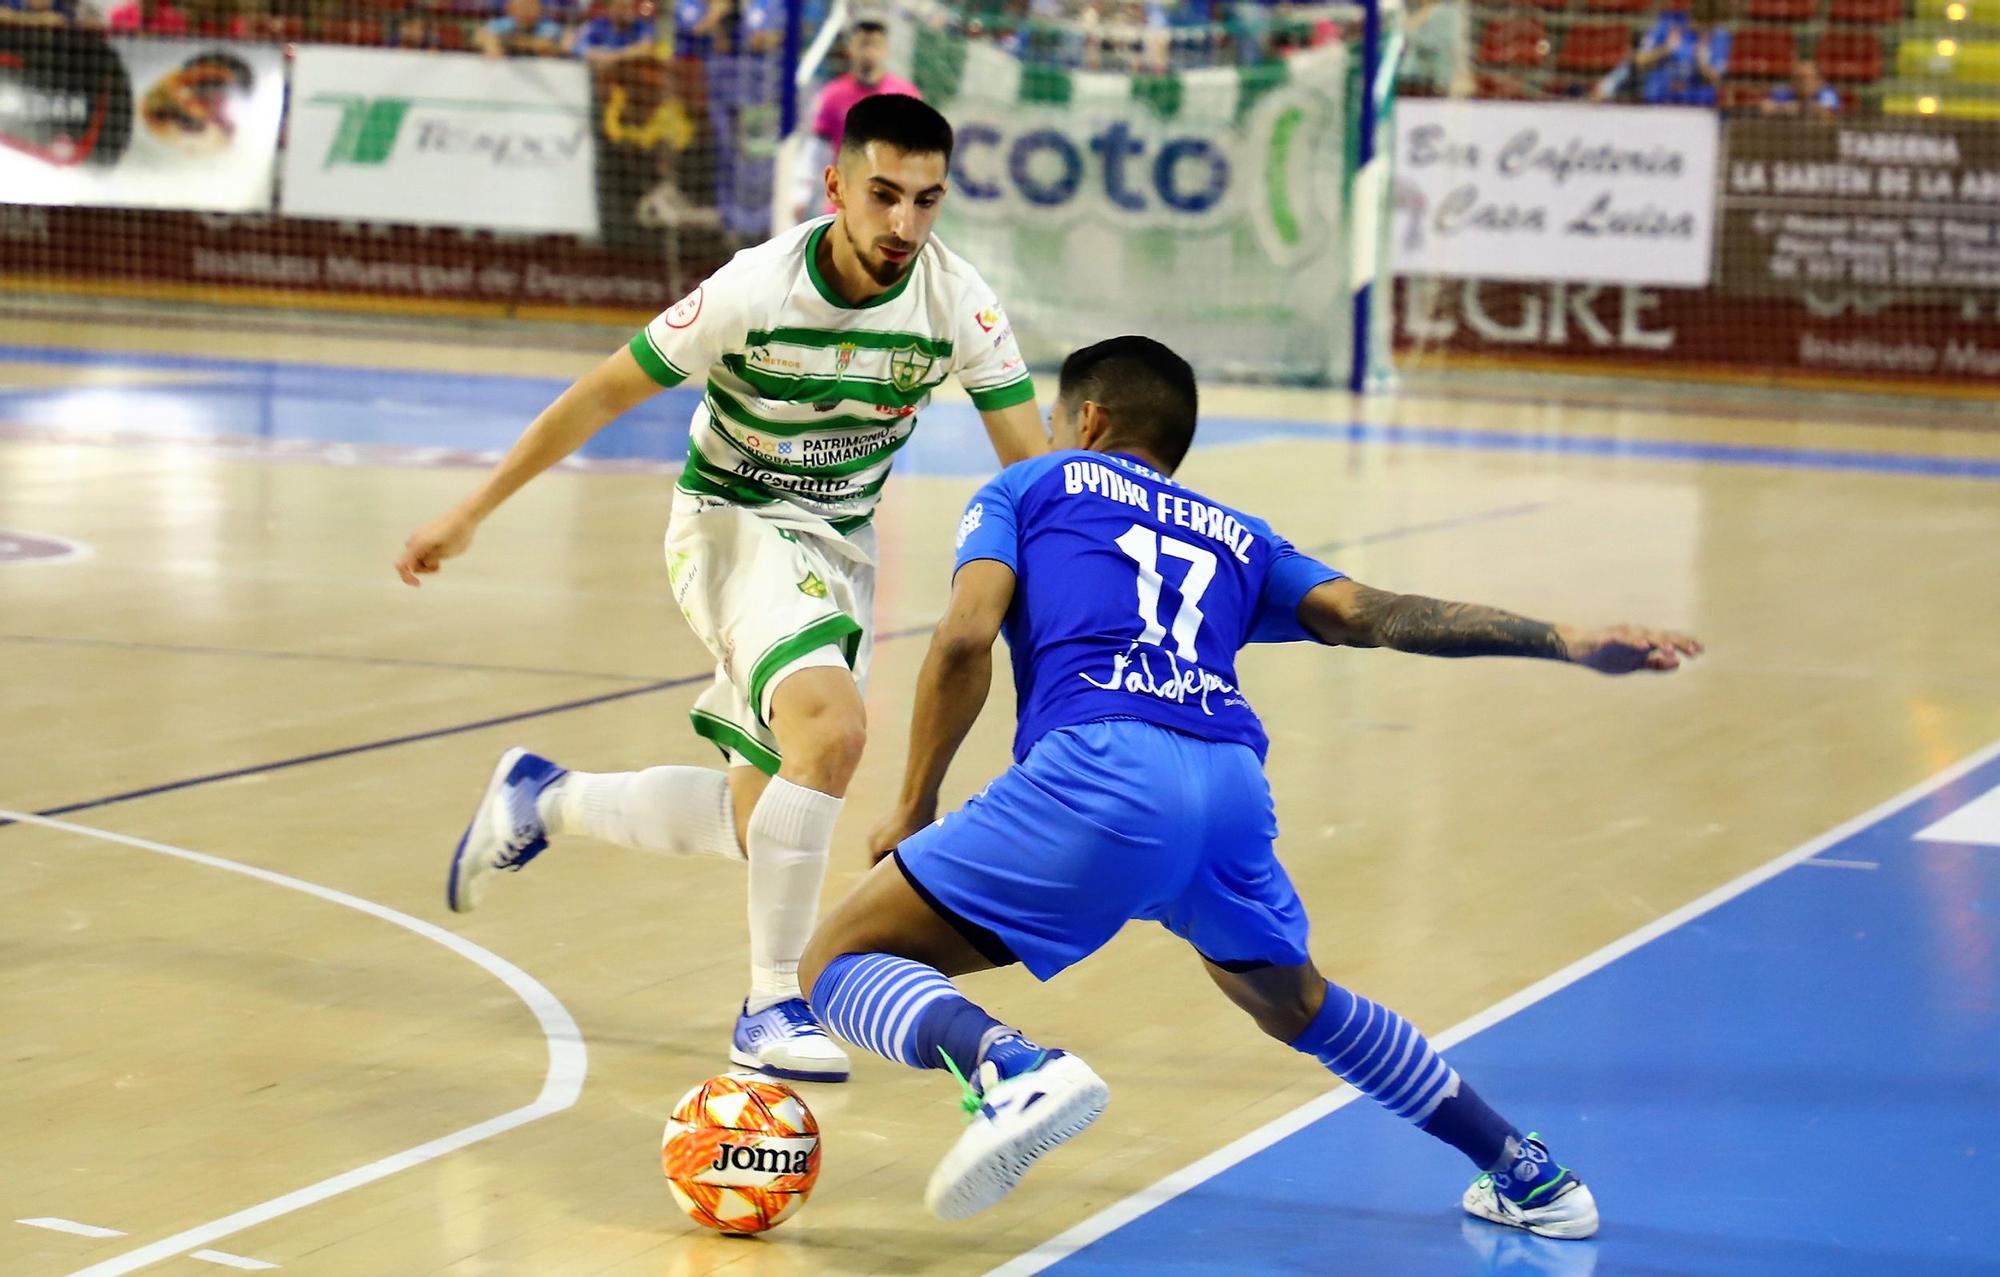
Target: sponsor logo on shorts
x=812 y=587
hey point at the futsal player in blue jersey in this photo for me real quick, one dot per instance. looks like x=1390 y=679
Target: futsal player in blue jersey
x=1138 y=791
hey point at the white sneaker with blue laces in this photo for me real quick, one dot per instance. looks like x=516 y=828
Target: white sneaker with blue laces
x=506 y=832
x=785 y=1041
x=1561 y=1206
x=1015 y=1120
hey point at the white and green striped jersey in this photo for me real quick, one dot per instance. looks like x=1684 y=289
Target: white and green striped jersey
x=808 y=396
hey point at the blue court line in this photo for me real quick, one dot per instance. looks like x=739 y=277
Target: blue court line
x=347 y=750
x=333 y=658
x=410 y=738
x=1794 y=1075
x=296 y=400
x=1388 y=534
x=1729 y=454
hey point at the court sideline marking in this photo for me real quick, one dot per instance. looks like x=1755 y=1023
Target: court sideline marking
x=1164 y=1190
x=562 y=1083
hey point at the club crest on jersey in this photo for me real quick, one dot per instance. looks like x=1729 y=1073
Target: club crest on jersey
x=908 y=367
x=812 y=587
x=843 y=355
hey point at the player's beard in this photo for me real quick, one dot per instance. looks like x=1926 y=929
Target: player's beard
x=885 y=272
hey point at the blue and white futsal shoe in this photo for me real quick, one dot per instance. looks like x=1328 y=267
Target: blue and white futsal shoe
x=1559 y=1206
x=785 y=1041
x=1015 y=1120
x=506 y=831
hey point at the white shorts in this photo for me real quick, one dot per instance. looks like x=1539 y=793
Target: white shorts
x=767 y=599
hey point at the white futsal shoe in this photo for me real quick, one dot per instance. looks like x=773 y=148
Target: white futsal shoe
x=1562 y=1208
x=785 y=1040
x=506 y=832
x=1015 y=1120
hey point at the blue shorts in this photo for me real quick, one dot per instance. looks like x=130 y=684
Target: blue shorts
x=1107 y=822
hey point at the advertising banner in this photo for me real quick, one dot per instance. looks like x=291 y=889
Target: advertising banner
x=171 y=124
x=1861 y=206
x=441 y=139
x=1207 y=208
x=1555 y=191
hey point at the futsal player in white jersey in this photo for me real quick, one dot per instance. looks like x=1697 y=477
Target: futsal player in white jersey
x=818 y=349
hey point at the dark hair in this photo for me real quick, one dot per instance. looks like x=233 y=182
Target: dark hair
x=868 y=25
x=1146 y=389
x=901 y=121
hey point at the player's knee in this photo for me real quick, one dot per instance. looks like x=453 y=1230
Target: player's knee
x=822 y=727
x=831 y=744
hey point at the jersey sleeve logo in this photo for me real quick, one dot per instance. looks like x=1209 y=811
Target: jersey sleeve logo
x=970 y=523
x=989 y=319
x=686 y=310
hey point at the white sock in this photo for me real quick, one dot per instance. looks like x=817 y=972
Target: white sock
x=682 y=811
x=791 y=831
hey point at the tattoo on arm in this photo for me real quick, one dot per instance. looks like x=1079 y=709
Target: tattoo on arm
x=1435 y=627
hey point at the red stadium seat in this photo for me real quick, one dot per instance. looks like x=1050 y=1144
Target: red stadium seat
x=1506 y=88
x=1872 y=12
x=1737 y=96
x=1618 y=6
x=1595 y=46
x=1781 y=10
x=1851 y=56
x=1763 y=51
x=1513 y=42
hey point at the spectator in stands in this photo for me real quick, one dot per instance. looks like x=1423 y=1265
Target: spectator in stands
x=1806 y=94
x=702 y=27
x=1682 y=59
x=1434 y=57
x=522 y=31
x=867 y=75
x=619 y=34
x=413 y=32
x=33 y=13
x=763 y=25
x=152 y=17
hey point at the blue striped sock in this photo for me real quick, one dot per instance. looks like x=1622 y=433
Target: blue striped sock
x=1383 y=1056
x=909 y=1013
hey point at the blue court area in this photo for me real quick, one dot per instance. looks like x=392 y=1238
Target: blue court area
x=1805 y=1079
x=302 y=407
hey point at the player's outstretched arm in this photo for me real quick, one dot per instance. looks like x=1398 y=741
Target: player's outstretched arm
x=951 y=690
x=598 y=398
x=1350 y=614
x=1017 y=432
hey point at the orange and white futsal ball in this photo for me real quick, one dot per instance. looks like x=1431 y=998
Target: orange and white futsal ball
x=741 y=1153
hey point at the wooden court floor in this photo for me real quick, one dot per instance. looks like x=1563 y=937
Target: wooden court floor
x=232 y=670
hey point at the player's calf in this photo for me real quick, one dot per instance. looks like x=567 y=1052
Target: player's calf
x=1383 y=1056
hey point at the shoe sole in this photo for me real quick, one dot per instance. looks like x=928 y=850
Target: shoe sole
x=751 y=1062
x=982 y=1185
x=458 y=901
x=1565 y=1230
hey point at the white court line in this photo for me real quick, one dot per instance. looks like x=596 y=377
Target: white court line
x=1120 y=1213
x=1829 y=862
x=56 y=1225
x=563 y=1082
x=233 y=1261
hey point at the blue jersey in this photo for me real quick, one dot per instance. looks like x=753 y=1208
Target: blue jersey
x=1132 y=595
